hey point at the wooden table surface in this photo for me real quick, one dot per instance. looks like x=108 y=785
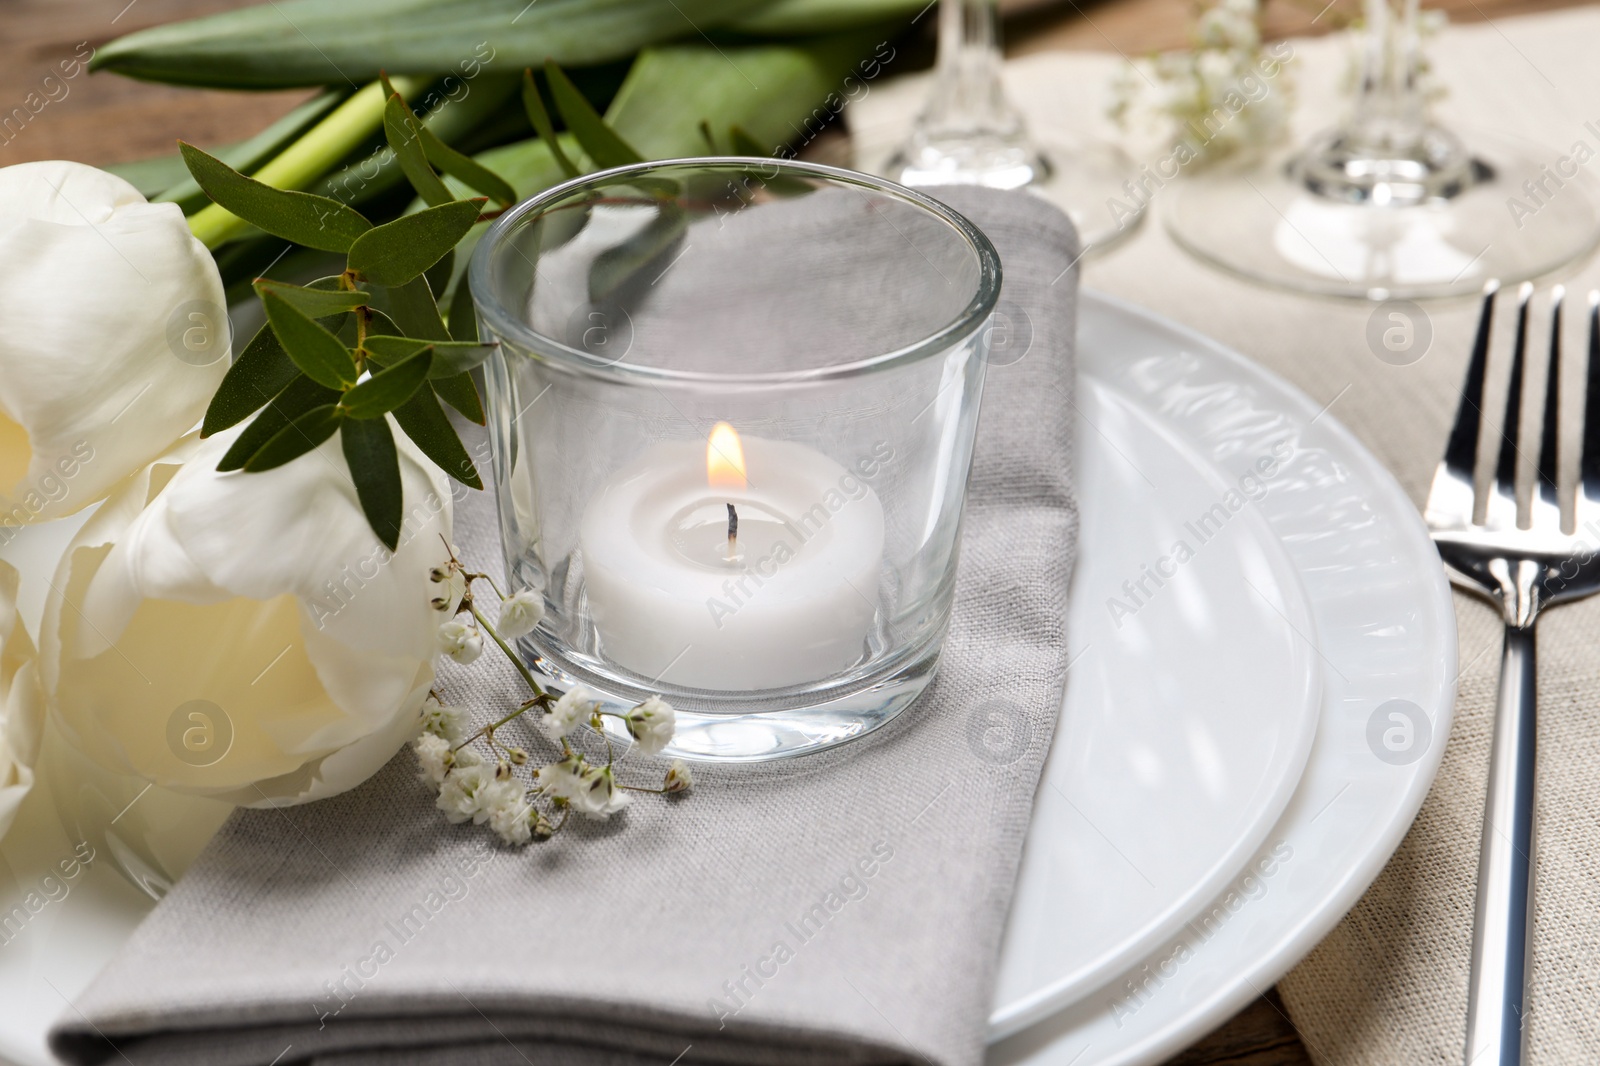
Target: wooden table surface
x=104 y=119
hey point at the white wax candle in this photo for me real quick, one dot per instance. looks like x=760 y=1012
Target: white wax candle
x=789 y=601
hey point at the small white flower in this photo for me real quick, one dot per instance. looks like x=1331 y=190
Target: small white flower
x=652 y=723
x=513 y=820
x=461 y=795
x=678 y=779
x=520 y=613
x=460 y=640
x=599 y=795
x=498 y=795
x=449 y=586
x=571 y=710
x=433 y=755
x=444 y=720
x=561 y=780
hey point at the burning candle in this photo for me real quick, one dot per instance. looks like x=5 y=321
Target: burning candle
x=745 y=564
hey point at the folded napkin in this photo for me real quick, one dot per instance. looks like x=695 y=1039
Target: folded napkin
x=841 y=908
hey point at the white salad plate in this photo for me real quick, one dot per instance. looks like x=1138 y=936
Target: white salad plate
x=1211 y=805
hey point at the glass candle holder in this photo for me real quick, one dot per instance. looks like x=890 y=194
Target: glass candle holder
x=732 y=415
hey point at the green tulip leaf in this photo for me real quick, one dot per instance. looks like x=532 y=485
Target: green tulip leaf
x=314 y=221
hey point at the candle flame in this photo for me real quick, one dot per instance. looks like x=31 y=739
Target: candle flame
x=725 y=459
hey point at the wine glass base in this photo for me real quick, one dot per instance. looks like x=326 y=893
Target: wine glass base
x=1095 y=184
x=1516 y=221
x=1090 y=181
x=994 y=162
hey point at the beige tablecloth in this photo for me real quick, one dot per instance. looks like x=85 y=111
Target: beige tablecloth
x=1388 y=985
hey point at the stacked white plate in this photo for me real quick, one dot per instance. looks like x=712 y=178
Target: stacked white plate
x=1261 y=684
x=1262 y=681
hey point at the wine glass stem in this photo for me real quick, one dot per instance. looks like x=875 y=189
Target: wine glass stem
x=968 y=96
x=1389 y=114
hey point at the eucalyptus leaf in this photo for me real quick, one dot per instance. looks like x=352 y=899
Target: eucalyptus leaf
x=645 y=253
x=453 y=358
x=706 y=135
x=429 y=428
x=388 y=350
x=296 y=439
x=449 y=357
x=411 y=307
x=389 y=387
x=301 y=395
x=396 y=252
x=319 y=353
x=438 y=275
x=463 y=316
x=313 y=302
x=404 y=135
x=461 y=392
x=375 y=468
x=260 y=373
x=599 y=141
x=314 y=221
x=533 y=103
x=466 y=169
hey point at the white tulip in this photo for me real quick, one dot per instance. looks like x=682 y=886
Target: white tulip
x=245 y=635
x=21 y=702
x=113 y=335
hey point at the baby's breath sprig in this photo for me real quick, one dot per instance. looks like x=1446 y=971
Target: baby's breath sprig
x=491 y=790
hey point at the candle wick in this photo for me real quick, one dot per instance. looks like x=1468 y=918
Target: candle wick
x=733 y=531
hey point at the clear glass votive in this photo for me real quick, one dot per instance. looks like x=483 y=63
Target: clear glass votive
x=732 y=417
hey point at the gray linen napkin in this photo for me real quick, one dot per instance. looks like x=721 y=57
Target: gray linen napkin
x=842 y=908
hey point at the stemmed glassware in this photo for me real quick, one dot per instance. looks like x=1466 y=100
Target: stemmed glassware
x=1389 y=204
x=969 y=133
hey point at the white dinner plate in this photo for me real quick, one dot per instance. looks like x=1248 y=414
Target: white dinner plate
x=1383 y=630
x=1212 y=804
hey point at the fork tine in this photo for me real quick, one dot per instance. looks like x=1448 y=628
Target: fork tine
x=1589 y=465
x=1549 y=474
x=1505 y=474
x=1460 y=453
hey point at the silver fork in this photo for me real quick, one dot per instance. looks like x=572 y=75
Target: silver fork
x=1522 y=566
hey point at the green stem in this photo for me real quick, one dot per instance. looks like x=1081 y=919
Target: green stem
x=309 y=157
x=483 y=623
